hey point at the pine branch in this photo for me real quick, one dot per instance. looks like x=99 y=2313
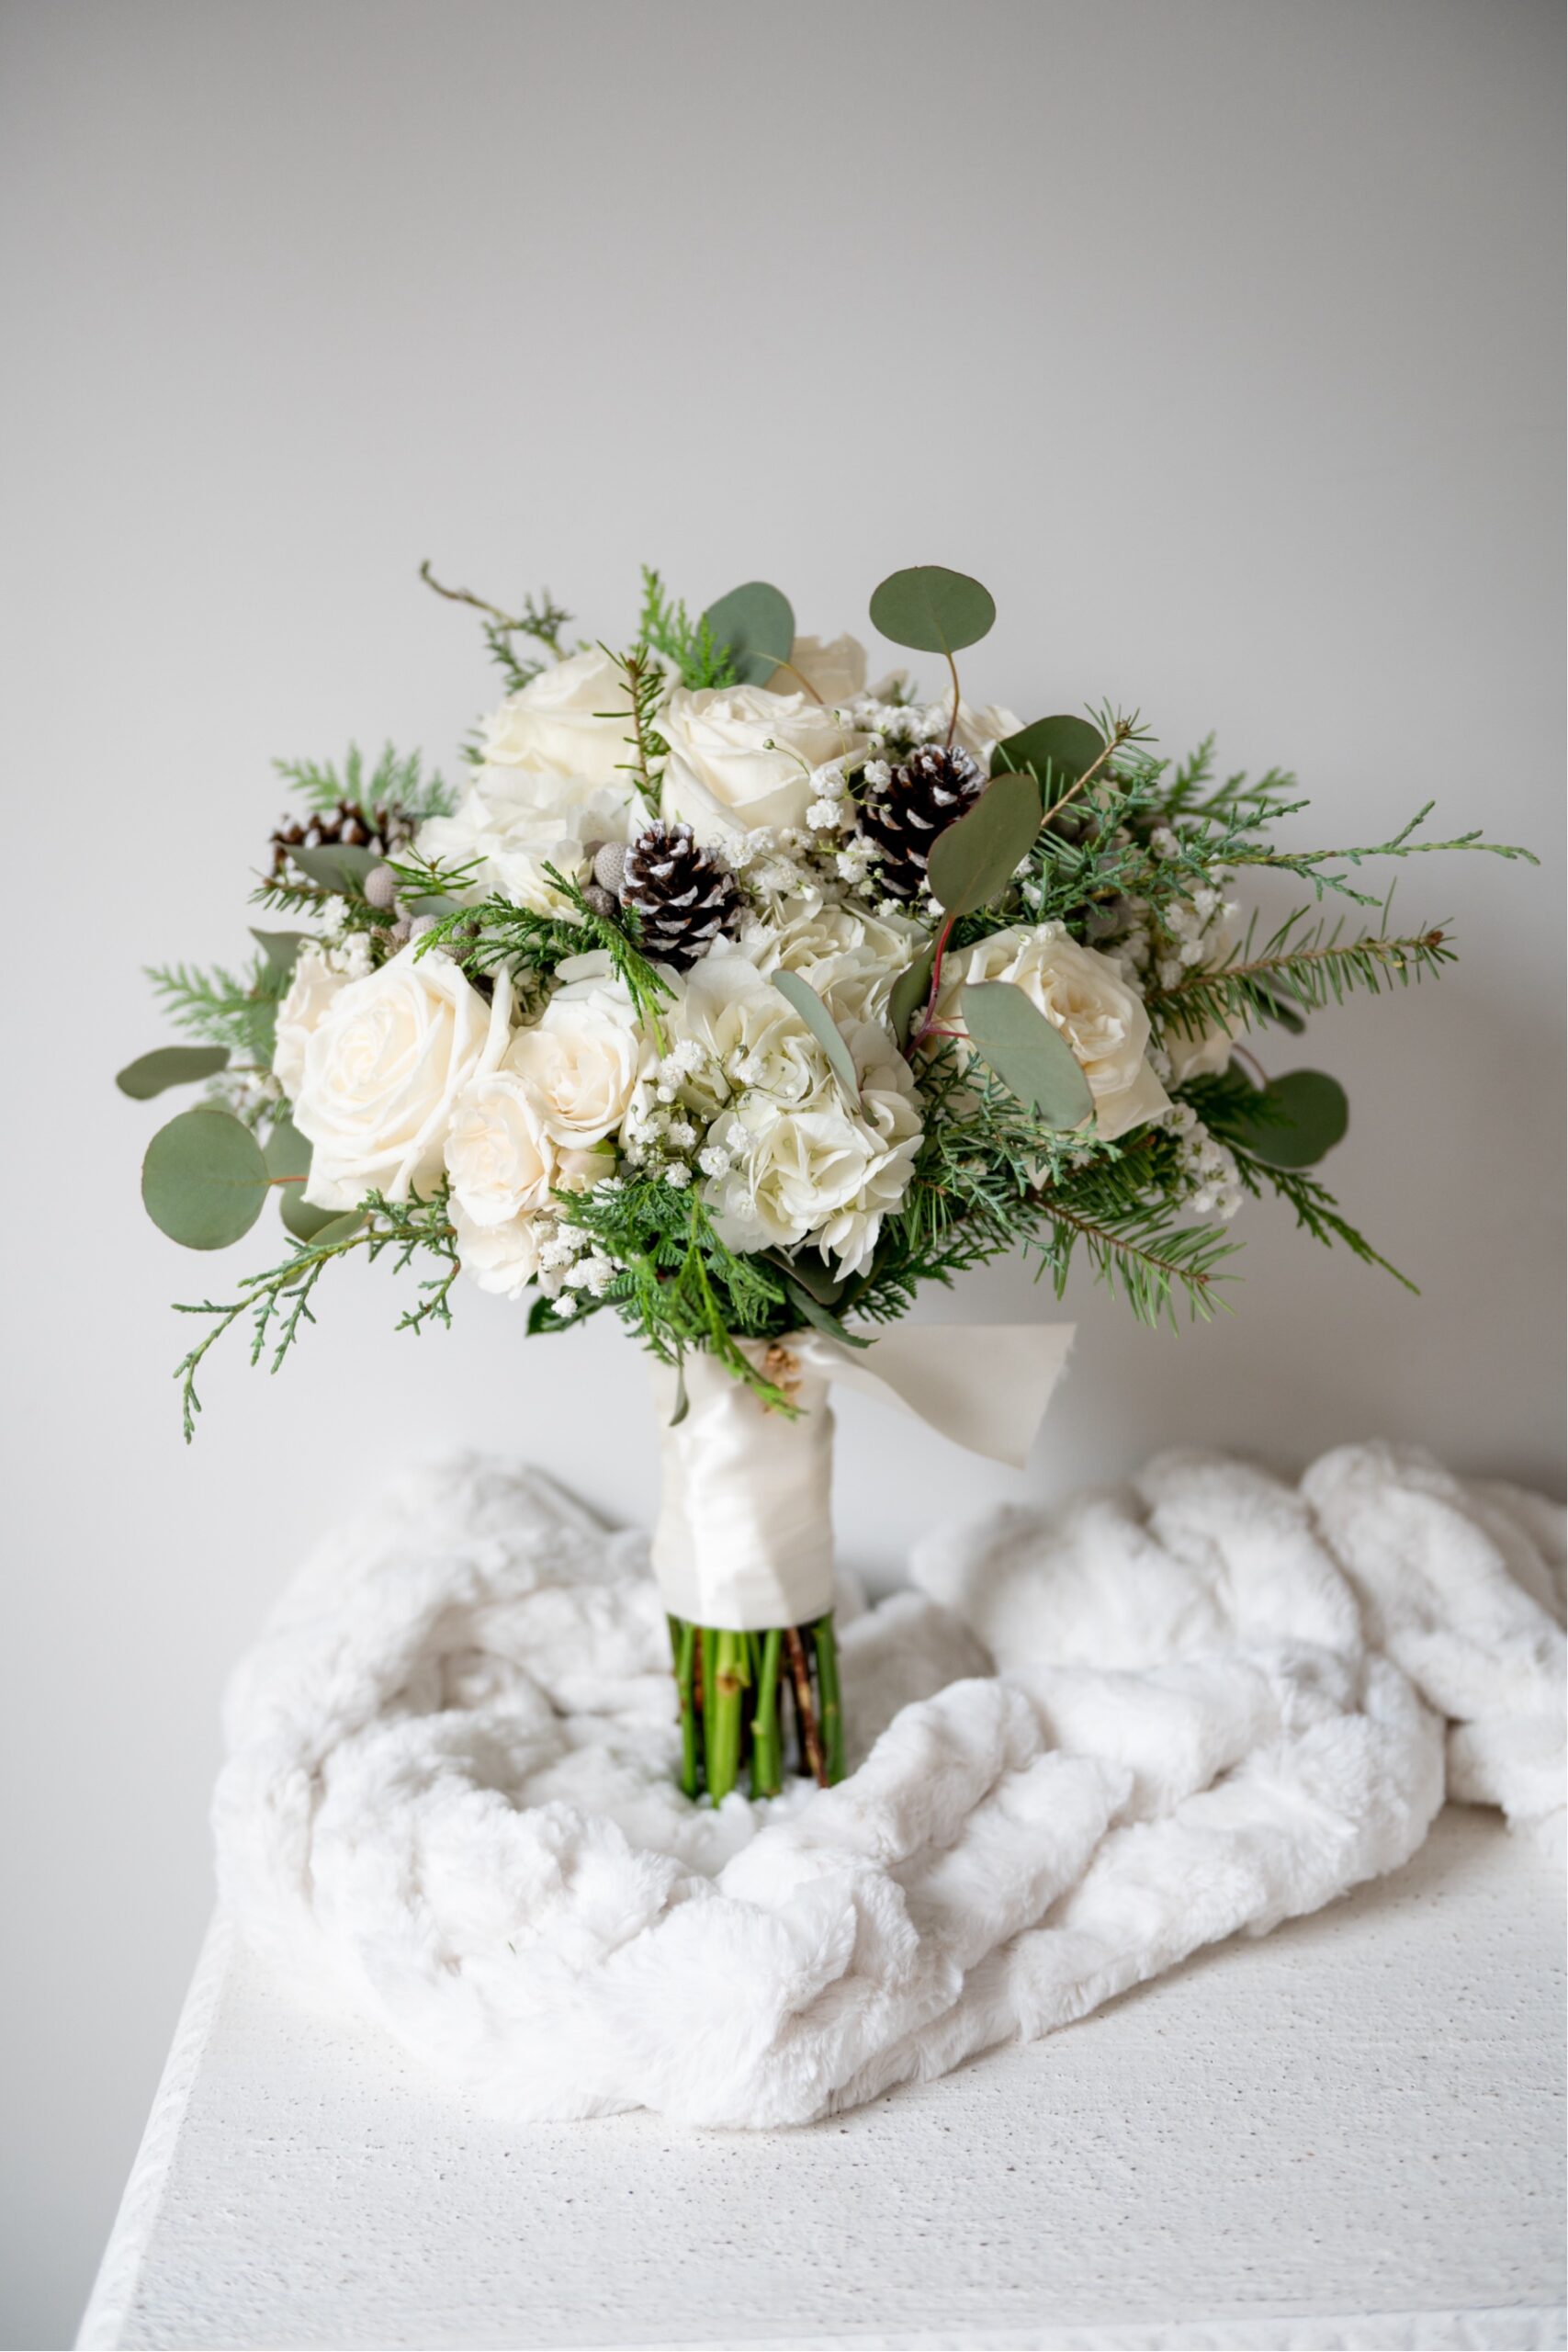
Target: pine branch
x=1312 y=864
x=223 y=1008
x=1315 y=971
x=644 y=683
x=667 y=628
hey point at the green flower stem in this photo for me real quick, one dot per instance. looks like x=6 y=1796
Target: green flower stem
x=731 y=1691
x=732 y=1674
x=827 y=1647
x=767 y=1765
x=684 y=1641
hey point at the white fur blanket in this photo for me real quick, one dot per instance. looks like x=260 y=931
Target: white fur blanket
x=1082 y=1747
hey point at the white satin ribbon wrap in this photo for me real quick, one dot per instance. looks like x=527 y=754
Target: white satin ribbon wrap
x=744 y=1537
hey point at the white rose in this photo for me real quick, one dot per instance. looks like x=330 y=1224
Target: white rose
x=574 y=717
x=515 y=823
x=834 y=667
x=499 y=1156
x=825 y=1169
x=851 y=958
x=317 y=980
x=383 y=1069
x=740 y=757
x=1084 y=994
x=502 y=1258
x=582 y=1061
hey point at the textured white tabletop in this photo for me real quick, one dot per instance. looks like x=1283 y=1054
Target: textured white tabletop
x=1348 y=2134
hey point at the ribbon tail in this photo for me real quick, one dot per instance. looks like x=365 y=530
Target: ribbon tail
x=984 y=1385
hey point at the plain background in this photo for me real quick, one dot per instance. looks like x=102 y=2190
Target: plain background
x=1221 y=338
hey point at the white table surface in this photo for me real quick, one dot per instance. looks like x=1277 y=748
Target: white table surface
x=1349 y=2133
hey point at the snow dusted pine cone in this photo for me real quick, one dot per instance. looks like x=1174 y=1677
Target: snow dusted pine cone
x=683 y=896
x=904 y=812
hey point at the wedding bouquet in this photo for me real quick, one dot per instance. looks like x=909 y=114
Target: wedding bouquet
x=737 y=997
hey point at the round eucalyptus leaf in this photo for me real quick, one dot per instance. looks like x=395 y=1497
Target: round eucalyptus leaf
x=326 y=1225
x=932 y=609
x=170 y=1065
x=758 y=624
x=204 y=1180
x=338 y=865
x=1028 y=1053
x=1058 y=750
x=975 y=859
x=281 y=948
x=1300 y=1116
x=287 y=1153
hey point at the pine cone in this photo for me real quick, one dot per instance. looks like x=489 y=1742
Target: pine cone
x=682 y=896
x=382 y=828
x=903 y=816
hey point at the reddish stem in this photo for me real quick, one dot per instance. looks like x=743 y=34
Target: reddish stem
x=943 y=935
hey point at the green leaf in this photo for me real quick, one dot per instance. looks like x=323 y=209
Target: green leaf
x=1301 y=1116
x=910 y=991
x=821 y=1319
x=204 y=1180
x=336 y=1229
x=281 y=948
x=169 y=1065
x=338 y=865
x=288 y=1156
x=819 y=1021
x=1057 y=750
x=812 y=1271
x=974 y=860
x=1028 y=1053
x=758 y=625
x=932 y=609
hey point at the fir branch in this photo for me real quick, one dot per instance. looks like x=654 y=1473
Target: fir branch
x=1312 y=969
x=396 y=782
x=667 y=628
x=542 y=620
x=1316 y=1211
x=1312 y=864
x=221 y=1007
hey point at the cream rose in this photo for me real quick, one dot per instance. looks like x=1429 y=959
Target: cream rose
x=574 y=717
x=515 y=823
x=1083 y=993
x=383 y=1068
x=505 y=1165
x=850 y=957
x=834 y=667
x=583 y=1059
x=319 y=976
x=740 y=757
x=500 y=1259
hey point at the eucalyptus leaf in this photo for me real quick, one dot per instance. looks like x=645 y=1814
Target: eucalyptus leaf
x=932 y=609
x=338 y=865
x=204 y=1180
x=975 y=859
x=910 y=991
x=1057 y=750
x=758 y=625
x=821 y=1319
x=288 y=1156
x=819 y=1021
x=1301 y=1116
x=336 y=1229
x=812 y=1271
x=281 y=948
x=170 y=1065
x=1028 y=1053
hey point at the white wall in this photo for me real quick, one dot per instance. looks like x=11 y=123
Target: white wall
x=1220 y=338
